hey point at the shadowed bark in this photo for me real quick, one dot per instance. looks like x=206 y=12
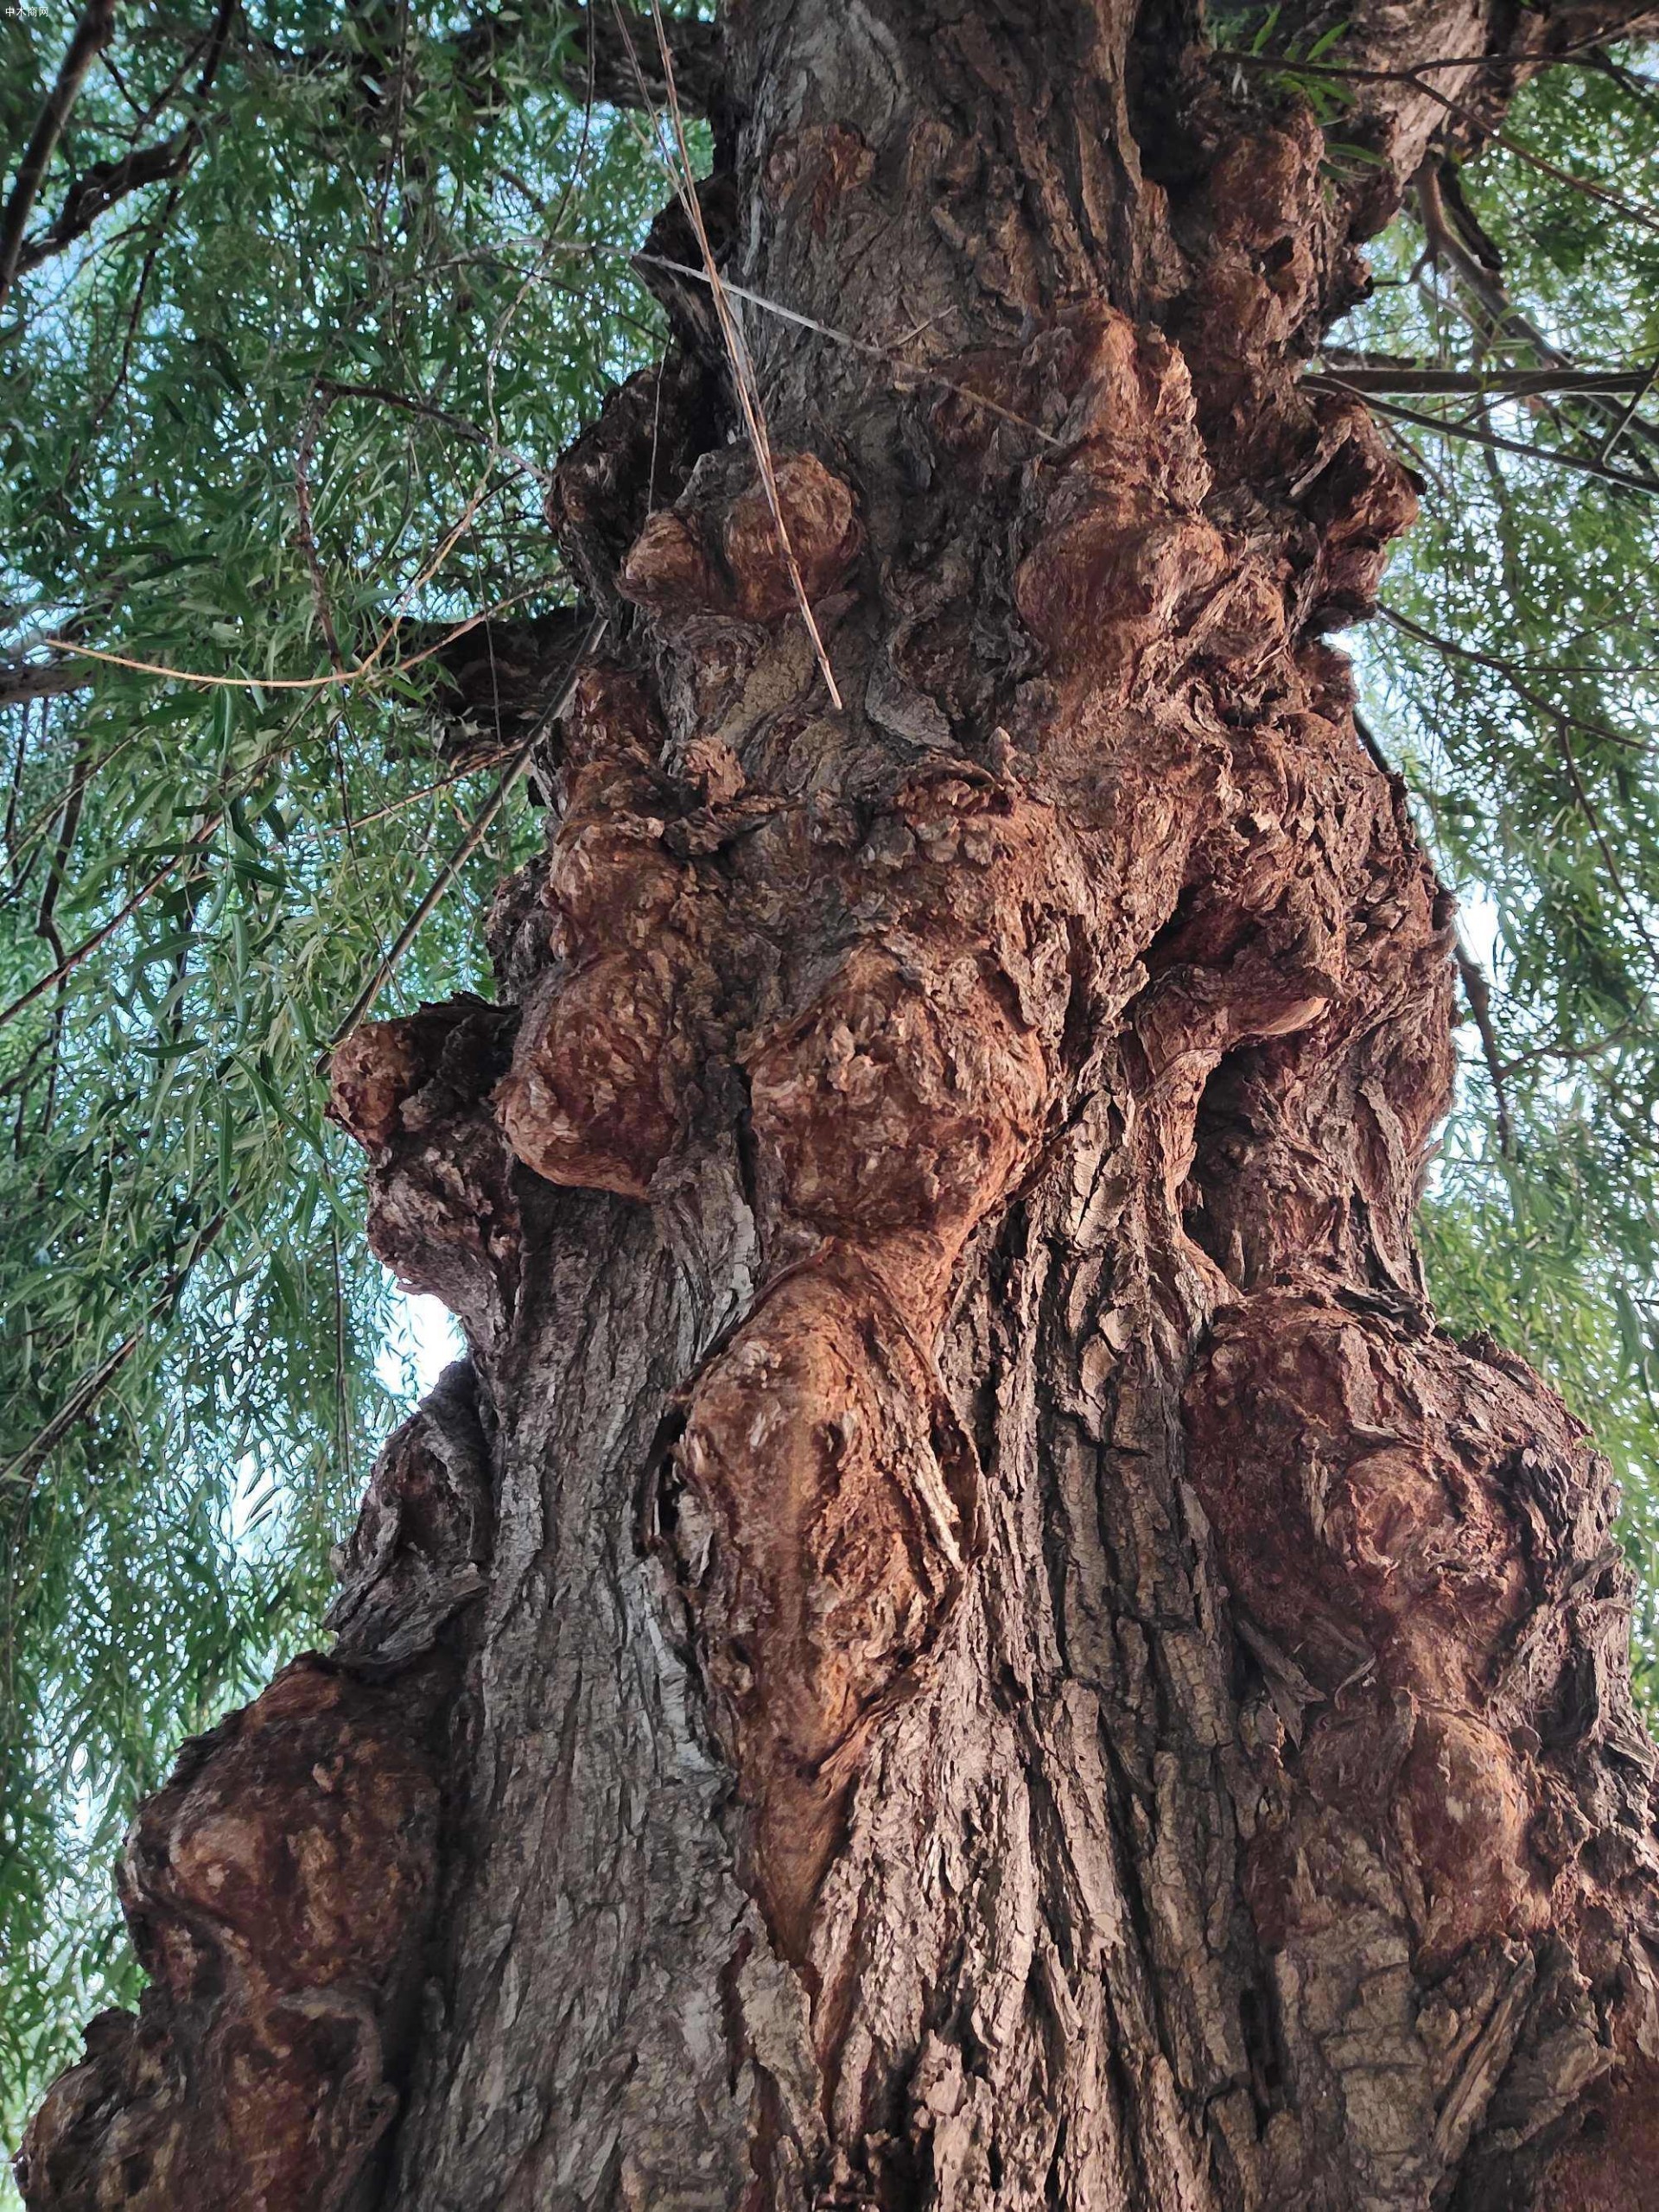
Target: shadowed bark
x=965 y=1641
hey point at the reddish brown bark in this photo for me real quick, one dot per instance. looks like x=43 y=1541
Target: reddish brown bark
x=1017 y=1667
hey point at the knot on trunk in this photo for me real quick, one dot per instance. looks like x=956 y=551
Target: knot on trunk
x=634 y=459
x=1360 y=498
x=1418 y=1546
x=822 y=1508
x=1261 y=236
x=913 y=1083
x=421 y=1548
x=1117 y=544
x=816 y=167
x=414 y=1092
x=277 y=1892
x=717 y=551
x=611 y=1038
x=906 y=1094
x=594 y=1096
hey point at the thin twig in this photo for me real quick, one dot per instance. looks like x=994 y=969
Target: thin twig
x=231 y=682
x=201 y=837
x=1522 y=691
x=1600 y=835
x=1478 y=992
x=889 y=354
x=1579 y=57
x=1475 y=987
x=457 y=425
x=364 y=670
x=87 y=946
x=37 y=824
x=21 y=1467
x=1555 y=1049
x=1499 y=444
x=1629 y=414
x=430 y=790
x=135 y=316
x=366 y=998
x=1519 y=384
x=14 y=792
x=343 y=1395
x=46 y=927
x=307 y=532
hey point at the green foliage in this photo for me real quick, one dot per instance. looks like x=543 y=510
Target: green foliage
x=265 y=417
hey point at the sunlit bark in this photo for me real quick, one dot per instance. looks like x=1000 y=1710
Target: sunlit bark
x=965 y=1641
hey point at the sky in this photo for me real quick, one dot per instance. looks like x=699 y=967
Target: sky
x=421 y=1340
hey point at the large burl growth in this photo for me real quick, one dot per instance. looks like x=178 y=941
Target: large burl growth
x=977 y=1648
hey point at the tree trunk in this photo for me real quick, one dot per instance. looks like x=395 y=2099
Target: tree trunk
x=963 y=1640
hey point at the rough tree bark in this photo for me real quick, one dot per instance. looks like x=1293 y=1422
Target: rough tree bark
x=963 y=1639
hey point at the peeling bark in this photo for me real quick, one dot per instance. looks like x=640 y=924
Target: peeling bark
x=964 y=1641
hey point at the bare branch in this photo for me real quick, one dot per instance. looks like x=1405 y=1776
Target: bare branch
x=20 y=1470
x=1478 y=992
x=1515 y=681
x=83 y=951
x=1360 y=375
x=95 y=192
x=99 y=188
x=1553 y=457
x=1459 y=241
x=92 y=33
x=22 y=680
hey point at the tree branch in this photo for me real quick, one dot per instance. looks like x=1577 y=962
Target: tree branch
x=1459 y=241
x=98 y=189
x=93 y=193
x=19 y=1469
x=1360 y=374
x=92 y=33
x=1551 y=456
x=1512 y=676
x=497 y=678
x=22 y=680
x=1477 y=994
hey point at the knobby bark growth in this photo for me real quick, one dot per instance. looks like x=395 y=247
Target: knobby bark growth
x=963 y=1639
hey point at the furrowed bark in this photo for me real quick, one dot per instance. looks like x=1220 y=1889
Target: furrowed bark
x=1015 y=1667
